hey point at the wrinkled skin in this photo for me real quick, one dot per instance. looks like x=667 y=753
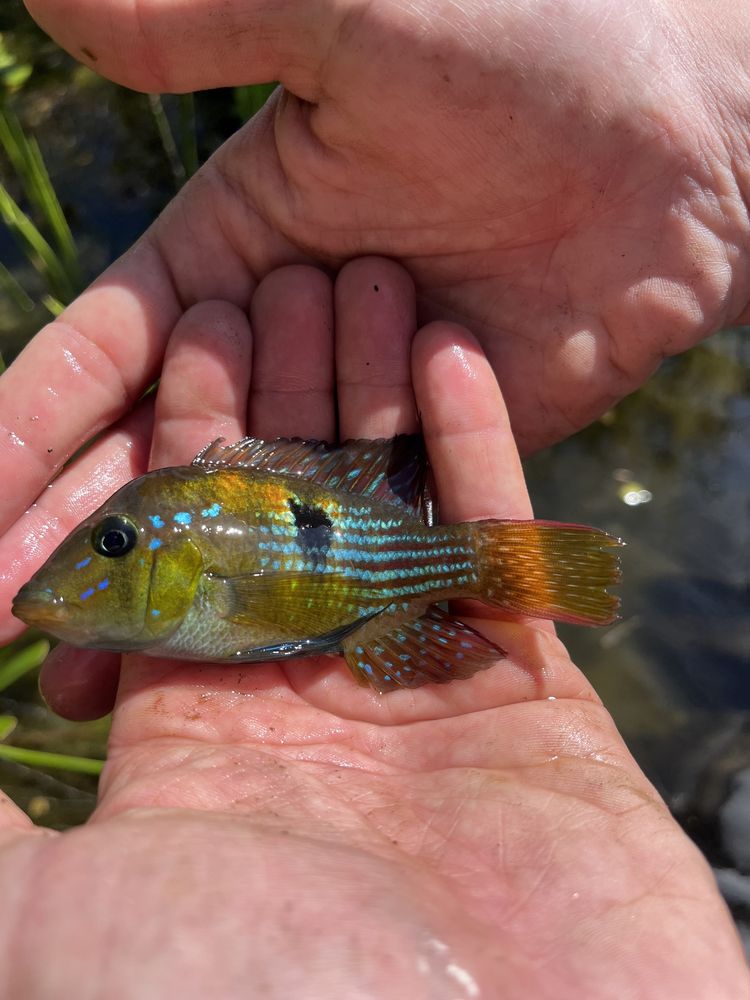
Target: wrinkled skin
x=276 y=831
x=569 y=179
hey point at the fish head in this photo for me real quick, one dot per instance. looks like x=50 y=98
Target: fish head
x=115 y=582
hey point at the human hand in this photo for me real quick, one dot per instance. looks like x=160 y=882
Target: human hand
x=519 y=158
x=274 y=829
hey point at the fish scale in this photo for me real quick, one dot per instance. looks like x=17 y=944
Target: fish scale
x=268 y=550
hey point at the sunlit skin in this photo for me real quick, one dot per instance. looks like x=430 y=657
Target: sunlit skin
x=277 y=830
x=569 y=180
x=607 y=145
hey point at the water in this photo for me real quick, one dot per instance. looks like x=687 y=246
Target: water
x=675 y=671
x=668 y=470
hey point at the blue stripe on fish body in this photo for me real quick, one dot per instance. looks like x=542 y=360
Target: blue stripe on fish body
x=83 y=563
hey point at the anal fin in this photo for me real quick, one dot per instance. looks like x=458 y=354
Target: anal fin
x=433 y=649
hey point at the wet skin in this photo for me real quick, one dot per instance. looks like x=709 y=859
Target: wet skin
x=277 y=831
x=571 y=181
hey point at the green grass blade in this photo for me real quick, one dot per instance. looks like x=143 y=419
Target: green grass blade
x=52 y=305
x=43 y=759
x=12 y=149
x=188 y=134
x=38 y=250
x=26 y=157
x=7 y=724
x=26 y=659
x=248 y=100
x=14 y=291
x=51 y=209
x=167 y=138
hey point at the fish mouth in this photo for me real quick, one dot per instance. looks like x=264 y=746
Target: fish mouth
x=38 y=606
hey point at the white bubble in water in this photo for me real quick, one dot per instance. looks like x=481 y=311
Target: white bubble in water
x=633 y=498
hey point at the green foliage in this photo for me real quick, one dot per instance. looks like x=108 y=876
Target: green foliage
x=181 y=151
x=44 y=759
x=53 y=255
x=38 y=82
x=13 y=72
x=249 y=100
x=14 y=663
x=15 y=292
x=7 y=724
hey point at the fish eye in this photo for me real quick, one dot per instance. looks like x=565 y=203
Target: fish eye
x=114 y=536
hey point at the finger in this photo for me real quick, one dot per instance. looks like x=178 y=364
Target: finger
x=469 y=439
x=101 y=354
x=107 y=346
x=292 y=386
x=80 y=684
x=375 y=323
x=204 y=385
x=171 y=47
x=114 y=459
x=472 y=451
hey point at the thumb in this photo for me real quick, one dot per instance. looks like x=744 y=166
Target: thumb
x=168 y=46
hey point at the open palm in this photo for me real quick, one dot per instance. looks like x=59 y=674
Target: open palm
x=275 y=830
x=568 y=180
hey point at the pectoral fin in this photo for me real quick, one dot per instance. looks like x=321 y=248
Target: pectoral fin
x=302 y=604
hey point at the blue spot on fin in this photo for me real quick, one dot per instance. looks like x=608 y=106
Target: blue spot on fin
x=433 y=649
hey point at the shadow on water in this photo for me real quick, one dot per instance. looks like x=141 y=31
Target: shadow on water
x=668 y=470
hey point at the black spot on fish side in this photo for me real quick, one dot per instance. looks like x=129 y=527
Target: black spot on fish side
x=407 y=467
x=314 y=530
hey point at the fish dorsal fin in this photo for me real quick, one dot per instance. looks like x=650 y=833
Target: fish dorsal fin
x=393 y=470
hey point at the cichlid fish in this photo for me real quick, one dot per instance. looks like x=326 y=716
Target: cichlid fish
x=263 y=550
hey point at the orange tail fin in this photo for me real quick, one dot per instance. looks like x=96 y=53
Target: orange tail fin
x=548 y=570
